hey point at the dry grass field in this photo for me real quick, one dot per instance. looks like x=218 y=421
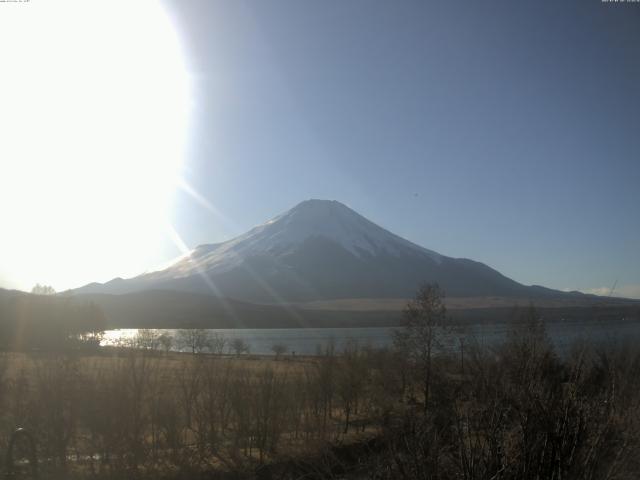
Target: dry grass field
x=512 y=411
x=123 y=410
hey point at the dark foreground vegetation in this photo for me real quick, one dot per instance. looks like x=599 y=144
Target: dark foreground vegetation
x=515 y=411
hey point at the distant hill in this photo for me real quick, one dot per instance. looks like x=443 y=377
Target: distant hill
x=29 y=321
x=174 y=309
x=322 y=250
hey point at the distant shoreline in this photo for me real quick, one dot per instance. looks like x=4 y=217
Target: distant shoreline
x=303 y=318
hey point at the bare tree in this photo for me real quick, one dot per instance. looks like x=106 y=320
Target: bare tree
x=166 y=342
x=194 y=339
x=239 y=346
x=269 y=395
x=43 y=290
x=279 y=349
x=424 y=318
x=350 y=380
x=147 y=339
x=216 y=344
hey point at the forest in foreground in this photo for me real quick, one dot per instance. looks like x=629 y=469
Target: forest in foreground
x=514 y=411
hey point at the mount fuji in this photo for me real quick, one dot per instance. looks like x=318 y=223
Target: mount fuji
x=320 y=250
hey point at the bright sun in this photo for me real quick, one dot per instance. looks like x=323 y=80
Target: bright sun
x=93 y=111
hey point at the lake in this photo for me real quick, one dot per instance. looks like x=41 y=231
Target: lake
x=305 y=341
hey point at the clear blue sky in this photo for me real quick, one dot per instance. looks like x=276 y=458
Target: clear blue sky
x=506 y=132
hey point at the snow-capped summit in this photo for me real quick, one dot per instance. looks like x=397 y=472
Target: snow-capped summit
x=333 y=220
x=319 y=249
x=327 y=220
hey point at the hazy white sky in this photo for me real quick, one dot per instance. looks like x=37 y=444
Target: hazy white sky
x=93 y=116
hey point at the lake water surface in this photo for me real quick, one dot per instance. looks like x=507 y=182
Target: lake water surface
x=305 y=341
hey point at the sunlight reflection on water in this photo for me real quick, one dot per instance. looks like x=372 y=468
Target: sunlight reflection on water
x=305 y=341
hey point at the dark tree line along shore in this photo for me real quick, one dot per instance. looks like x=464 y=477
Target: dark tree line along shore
x=46 y=322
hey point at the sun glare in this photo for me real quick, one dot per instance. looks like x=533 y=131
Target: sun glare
x=93 y=112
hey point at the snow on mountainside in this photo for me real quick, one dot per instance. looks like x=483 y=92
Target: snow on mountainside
x=320 y=250
x=330 y=220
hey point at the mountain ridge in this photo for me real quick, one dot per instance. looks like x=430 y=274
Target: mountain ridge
x=321 y=250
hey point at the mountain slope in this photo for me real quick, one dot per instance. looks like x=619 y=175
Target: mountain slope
x=320 y=250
